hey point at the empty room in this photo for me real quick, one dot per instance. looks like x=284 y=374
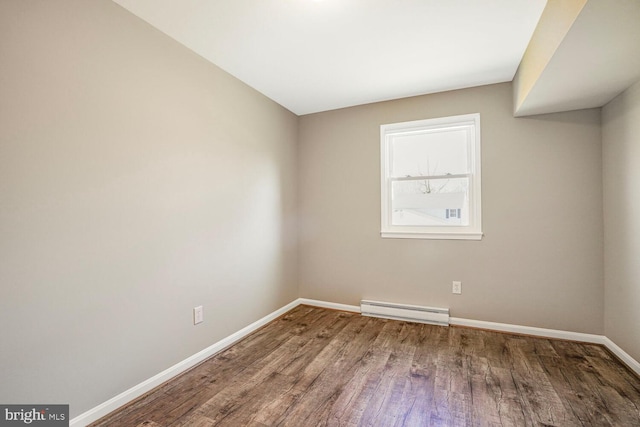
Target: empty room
x=320 y=212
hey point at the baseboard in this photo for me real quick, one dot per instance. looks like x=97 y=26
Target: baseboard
x=127 y=396
x=528 y=330
x=632 y=363
x=624 y=357
x=134 y=392
x=332 y=305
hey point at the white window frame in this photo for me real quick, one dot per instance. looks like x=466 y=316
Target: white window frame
x=473 y=231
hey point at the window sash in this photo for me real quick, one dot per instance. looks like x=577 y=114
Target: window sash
x=423 y=177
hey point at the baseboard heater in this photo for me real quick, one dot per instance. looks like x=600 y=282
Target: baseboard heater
x=410 y=313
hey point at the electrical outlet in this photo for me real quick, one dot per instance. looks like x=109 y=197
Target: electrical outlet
x=456 y=288
x=198 y=315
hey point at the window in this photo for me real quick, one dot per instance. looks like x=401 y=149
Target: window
x=431 y=178
x=453 y=213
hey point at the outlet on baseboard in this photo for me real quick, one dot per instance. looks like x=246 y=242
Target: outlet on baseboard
x=456 y=288
x=198 y=315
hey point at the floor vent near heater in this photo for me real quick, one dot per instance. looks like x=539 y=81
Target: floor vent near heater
x=410 y=313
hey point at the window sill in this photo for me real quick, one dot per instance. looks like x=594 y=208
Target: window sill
x=431 y=236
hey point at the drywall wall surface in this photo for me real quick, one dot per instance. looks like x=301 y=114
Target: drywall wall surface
x=621 y=164
x=595 y=61
x=557 y=18
x=540 y=262
x=137 y=181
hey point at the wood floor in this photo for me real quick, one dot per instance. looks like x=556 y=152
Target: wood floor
x=317 y=367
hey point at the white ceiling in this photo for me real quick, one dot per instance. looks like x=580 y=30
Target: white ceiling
x=318 y=55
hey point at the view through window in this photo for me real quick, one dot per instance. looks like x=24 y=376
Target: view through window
x=431 y=178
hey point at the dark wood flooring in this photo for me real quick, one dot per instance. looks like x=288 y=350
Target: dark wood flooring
x=317 y=367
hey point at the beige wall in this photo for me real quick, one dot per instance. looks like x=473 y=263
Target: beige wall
x=557 y=18
x=137 y=181
x=540 y=262
x=621 y=160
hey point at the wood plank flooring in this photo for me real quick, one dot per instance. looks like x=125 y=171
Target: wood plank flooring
x=319 y=367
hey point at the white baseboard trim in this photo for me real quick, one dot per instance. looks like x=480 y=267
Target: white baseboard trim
x=127 y=396
x=332 y=305
x=632 y=363
x=528 y=330
x=136 y=391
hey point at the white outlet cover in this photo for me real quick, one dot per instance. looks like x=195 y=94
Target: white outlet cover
x=457 y=287
x=198 y=315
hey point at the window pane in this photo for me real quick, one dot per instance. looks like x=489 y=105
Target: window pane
x=430 y=202
x=430 y=153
